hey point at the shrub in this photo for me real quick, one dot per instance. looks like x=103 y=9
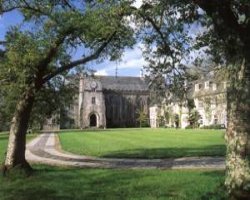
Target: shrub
x=214 y=126
x=189 y=127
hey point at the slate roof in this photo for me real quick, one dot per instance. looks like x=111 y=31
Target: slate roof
x=123 y=83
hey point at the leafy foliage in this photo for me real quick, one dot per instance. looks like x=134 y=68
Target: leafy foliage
x=194 y=118
x=142 y=118
x=33 y=55
x=224 y=37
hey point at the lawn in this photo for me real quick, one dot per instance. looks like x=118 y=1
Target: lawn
x=4 y=143
x=145 y=143
x=3 y=146
x=108 y=184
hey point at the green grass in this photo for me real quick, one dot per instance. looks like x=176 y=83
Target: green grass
x=145 y=143
x=103 y=184
x=108 y=184
x=4 y=142
x=3 y=146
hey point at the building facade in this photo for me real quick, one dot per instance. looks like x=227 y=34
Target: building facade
x=109 y=101
x=209 y=102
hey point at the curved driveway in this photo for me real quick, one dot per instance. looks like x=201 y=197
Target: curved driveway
x=45 y=150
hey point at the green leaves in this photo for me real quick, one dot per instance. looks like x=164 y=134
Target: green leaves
x=42 y=45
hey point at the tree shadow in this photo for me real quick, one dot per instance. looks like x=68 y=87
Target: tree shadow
x=72 y=183
x=219 y=193
x=4 y=137
x=175 y=152
x=102 y=130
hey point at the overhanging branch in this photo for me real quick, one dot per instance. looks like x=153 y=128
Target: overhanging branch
x=3 y=42
x=75 y=63
x=25 y=6
x=222 y=11
x=158 y=31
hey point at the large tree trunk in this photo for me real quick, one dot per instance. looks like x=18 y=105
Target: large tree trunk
x=15 y=156
x=238 y=132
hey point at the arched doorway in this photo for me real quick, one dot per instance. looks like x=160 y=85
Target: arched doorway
x=93 y=120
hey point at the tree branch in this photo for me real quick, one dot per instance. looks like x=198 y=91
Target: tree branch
x=222 y=10
x=42 y=66
x=158 y=30
x=3 y=42
x=52 y=52
x=23 y=5
x=67 y=3
x=2 y=10
x=84 y=60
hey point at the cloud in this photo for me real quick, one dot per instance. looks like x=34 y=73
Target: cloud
x=137 y=3
x=132 y=60
x=130 y=19
x=102 y=72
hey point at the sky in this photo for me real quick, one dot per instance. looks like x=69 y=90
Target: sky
x=130 y=65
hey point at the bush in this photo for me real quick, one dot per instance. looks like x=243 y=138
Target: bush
x=189 y=127
x=214 y=126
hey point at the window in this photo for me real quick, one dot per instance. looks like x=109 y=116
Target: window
x=198 y=87
x=215 y=119
x=93 y=100
x=208 y=100
x=211 y=84
x=225 y=85
x=214 y=86
x=214 y=102
x=200 y=104
x=208 y=85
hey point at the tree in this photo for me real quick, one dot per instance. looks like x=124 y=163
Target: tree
x=34 y=56
x=224 y=37
x=51 y=100
x=176 y=120
x=194 y=118
x=142 y=117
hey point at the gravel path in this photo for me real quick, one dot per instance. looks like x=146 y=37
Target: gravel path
x=45 y=149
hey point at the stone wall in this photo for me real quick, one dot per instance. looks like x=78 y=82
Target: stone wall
x=122 y=107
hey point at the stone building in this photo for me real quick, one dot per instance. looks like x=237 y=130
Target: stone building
x=210 y=101
x=109 y=101
x=209 y=98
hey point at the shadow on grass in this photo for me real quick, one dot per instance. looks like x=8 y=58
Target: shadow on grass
x=66 y=183
x=218 y=192
x=4 y=137
x=101 y=130
x=211 y=150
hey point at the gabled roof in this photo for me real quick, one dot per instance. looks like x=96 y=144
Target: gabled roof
x=123 y=83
